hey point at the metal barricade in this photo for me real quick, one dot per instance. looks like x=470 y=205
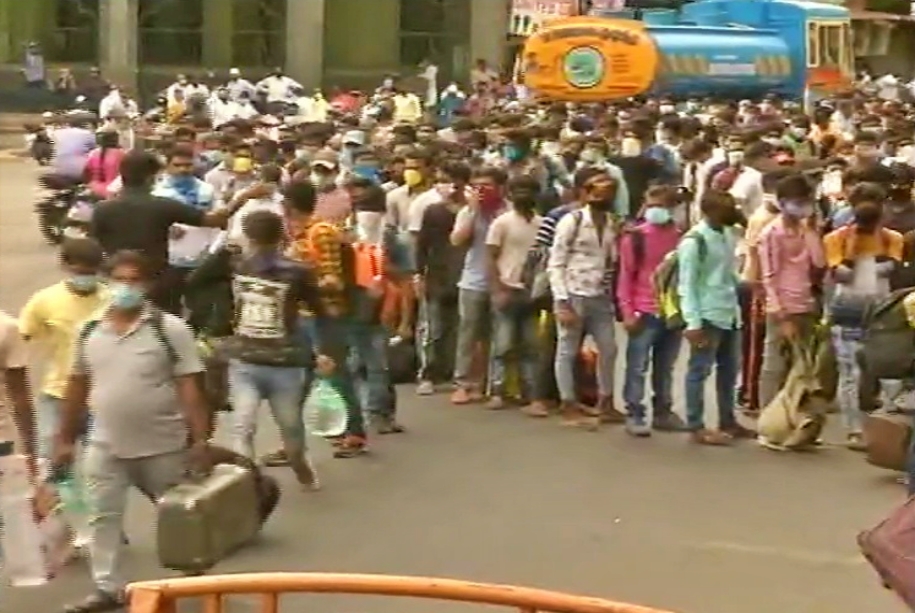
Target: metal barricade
x=162 y=596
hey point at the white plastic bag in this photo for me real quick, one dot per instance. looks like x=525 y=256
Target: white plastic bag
x=325 y=410
x=37 y=542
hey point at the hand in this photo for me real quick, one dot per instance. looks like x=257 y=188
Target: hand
x=200 y=460
x=324 y=365
x=787 y=329
x=176 y=232
x=419 y=285
x=63 y=456
x=696 y=338
x=404 y=331
x=565 y=315
x=632 y=324
x=331 y=282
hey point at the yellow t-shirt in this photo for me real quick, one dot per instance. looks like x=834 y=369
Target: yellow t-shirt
x=52 y=318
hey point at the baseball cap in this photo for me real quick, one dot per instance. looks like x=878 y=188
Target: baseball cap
x=326 y=158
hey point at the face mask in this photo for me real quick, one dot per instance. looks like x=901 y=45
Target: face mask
x=549 y=148
x=321 y=180
x=412 y=177
x=84 y=283
x=630 y=147
x=799 y=132
x=242 y=165
x=692 y=107
x=666 y=109
x=735 y=157
x=658 y=215
x=489 y=197
x=797 y=210
x=592 y=156
x=832 y=182
x=124 y=296
x=872 y=129
x=366 y=171
x=512 y=153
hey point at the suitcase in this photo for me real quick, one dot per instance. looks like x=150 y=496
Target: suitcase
x=890 y=549
x=887 y=437
x=202 y=522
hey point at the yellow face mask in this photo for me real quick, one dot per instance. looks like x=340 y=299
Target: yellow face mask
x=242 y=164
x=412 y=177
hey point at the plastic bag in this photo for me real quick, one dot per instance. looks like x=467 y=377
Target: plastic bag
x=37 y=541
x=795 y=417
x=325 y=410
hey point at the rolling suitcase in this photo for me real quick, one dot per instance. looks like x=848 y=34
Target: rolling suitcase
x=200 y=523
x=890 y=549
x=887 y=437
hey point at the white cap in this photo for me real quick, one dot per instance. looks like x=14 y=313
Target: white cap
x=234 y=72
x=47 y=115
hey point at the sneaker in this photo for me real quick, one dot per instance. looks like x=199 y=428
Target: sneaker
x=637 y=427
x=667 y=421
x=425 y=388
x=98 y=602
x=495 y=403
x=855 y=442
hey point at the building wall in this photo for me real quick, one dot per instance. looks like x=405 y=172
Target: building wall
x=346 y=42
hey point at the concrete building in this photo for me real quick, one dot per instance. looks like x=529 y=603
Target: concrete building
x=347 y=42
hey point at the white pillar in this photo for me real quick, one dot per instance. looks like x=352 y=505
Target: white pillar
x=118 y=37
x=305 y=41
x=488 y=31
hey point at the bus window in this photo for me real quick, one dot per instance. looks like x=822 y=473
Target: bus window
x=813 y=45
x=832 y=53
x=848 y=58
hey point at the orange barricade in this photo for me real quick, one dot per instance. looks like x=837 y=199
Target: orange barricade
x=162 y=596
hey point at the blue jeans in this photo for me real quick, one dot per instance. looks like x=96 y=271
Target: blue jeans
x=658 y=346
x=331 y=336
x=369 y=359
x=281 y=387
x=722 y=351
x=514 y=333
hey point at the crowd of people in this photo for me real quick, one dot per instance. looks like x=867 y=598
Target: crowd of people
x=496 y=248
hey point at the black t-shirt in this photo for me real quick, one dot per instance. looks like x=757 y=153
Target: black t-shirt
x=139 y=221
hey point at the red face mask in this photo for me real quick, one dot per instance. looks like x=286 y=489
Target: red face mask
x=489 y=197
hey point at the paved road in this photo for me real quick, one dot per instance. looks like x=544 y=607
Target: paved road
x=497 y=497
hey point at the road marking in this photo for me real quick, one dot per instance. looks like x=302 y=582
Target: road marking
x=794 y=555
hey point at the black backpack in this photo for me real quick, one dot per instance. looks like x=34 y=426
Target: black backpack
x=888 y=347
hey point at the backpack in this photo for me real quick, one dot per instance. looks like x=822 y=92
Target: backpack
x=888 y=347
x=156 y=322
x=665 y=279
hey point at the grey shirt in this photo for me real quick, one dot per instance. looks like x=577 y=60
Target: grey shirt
x=132 y=396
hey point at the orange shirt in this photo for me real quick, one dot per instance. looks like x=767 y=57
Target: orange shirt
x=846 y=244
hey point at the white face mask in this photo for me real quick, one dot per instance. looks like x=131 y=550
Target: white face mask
x=832 y=183
x=667 y=109
x=735 y=157
x=630 y=147
x=549 y=148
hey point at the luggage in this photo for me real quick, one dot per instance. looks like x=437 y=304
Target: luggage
x=890 y=549
x=402 y=361
x=201 y=522
x=665 y=281
x=888 y=347
x=887 y=437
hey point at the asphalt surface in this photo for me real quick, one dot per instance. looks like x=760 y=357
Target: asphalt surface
x=497 y=497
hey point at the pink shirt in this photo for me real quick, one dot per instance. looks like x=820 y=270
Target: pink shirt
x=102 y=172
x=787 y=260
x=634 y=289
x=333 y=206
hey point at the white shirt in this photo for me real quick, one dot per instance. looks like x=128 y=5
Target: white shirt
x=578 y=261
x=112 y=103
x=747 y=190
x=240 y=86
x=246 y=110
x=400 y=207
x=888 y=87
x=222 y=112
x=278 y=89
x=430 y=75
x=514 y=235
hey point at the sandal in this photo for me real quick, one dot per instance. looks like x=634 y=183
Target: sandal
x=712 y=438
x=350 y=447
x=275 y=459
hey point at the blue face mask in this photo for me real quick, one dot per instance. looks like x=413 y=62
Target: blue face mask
x=658 y=215
x=127 y=297
x=512 y=153
x=797 y=210
x=367 y=171
x=83 y=283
